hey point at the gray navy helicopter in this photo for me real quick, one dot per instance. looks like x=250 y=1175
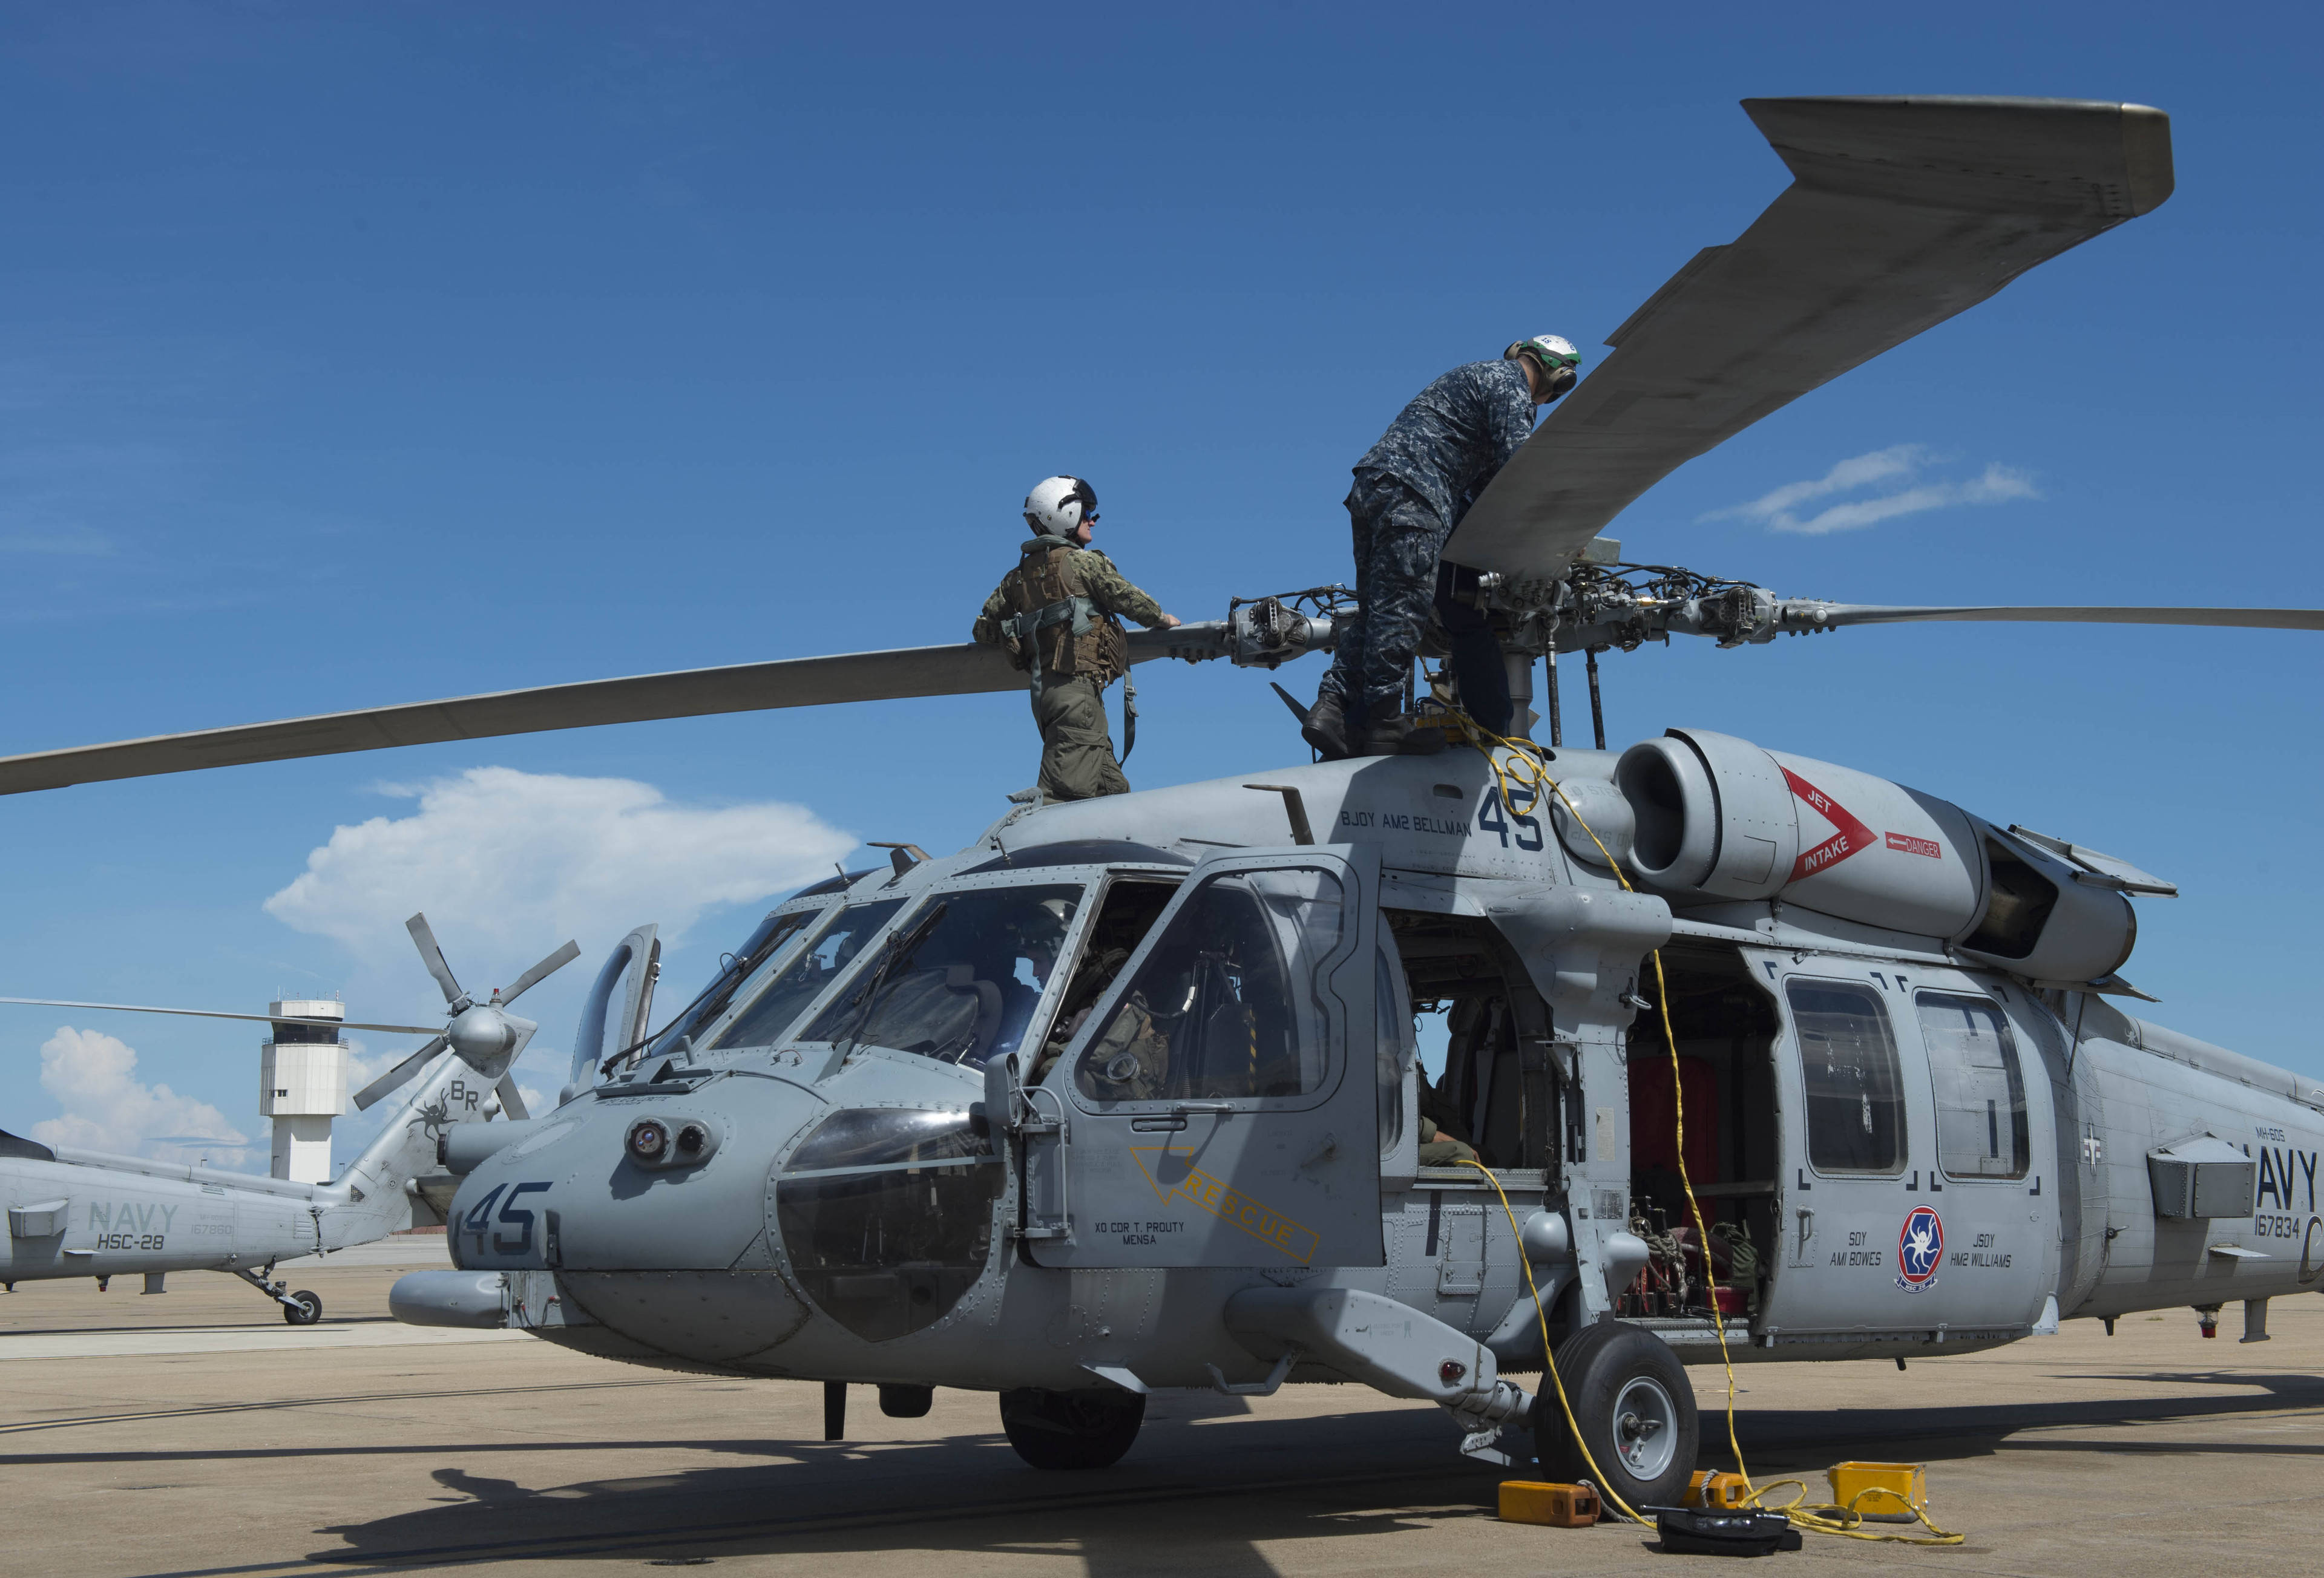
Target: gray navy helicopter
x=79 y=1212
x=1124 y=1095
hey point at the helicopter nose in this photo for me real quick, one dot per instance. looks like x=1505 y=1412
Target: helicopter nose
x=652 y=1210
x=672 y=1179
x=693 y=1222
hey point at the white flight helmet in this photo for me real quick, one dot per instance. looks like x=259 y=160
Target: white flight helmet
x=1560 y=362
x=1059 y=506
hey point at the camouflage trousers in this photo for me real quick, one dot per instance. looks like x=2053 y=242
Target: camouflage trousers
x=1399 y=538
x=1076 y=750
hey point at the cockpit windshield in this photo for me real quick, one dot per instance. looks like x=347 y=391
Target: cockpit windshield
x=801 y=982
x=777 y=929
x=959 y=979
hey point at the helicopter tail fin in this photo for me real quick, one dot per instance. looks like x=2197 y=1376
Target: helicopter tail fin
x=376 y=1193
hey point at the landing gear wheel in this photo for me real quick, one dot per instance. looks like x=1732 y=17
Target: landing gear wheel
x=304 y=1308
x=1636 y=1409
x=1071 y=1429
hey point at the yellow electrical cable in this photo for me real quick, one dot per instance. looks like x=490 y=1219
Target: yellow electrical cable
x=1548 y=1358
x=1847 y=1521
x=1531 y=772
x=1535 y=777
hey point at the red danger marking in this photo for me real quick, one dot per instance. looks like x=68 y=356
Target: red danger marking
x=1852 y=836
x=1912 y=846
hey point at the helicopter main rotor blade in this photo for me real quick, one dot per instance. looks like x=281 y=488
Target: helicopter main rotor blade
x=540 y=972
x=386 y=1083
x=217 y=1013
x=966 y=669
x=423 y=938
x=2247 y=618
x=1902 y=213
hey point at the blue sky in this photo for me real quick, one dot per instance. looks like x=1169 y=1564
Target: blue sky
x=351 y=355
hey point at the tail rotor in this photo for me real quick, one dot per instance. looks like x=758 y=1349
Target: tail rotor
x=484 y=1035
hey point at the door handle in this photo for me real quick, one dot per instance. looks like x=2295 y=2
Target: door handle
x=1182 y=1109
x=1169 y=1126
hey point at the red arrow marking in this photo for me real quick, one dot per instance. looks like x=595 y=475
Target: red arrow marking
x=1852 y=836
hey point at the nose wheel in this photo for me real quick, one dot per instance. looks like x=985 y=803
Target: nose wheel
x=1636 y=1410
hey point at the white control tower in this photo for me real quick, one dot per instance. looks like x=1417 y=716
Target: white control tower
x=302 y=1085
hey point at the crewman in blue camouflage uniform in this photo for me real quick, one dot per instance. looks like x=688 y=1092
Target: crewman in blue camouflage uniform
x=1411 y=490
x=1055 y=615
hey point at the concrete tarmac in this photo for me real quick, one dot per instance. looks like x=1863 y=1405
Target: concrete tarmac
x=2150 y=1453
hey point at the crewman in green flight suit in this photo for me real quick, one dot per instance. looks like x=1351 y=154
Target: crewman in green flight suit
x=1058 y=615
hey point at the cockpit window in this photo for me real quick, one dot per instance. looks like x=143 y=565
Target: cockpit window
x=1132 y=906
x=886 y=1215
x=959 y=979
x=762 y=945
x=803 y=981
x=1225 y=1006
x=881 y=1136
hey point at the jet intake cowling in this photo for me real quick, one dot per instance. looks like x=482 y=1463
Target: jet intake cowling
x=1714 y=815
x=1718 y=818
x=2040 y=919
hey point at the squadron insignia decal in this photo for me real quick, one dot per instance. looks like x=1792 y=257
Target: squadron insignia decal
x=1920 y=1250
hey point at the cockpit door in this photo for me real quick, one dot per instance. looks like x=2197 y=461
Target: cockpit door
x=1220 y=1108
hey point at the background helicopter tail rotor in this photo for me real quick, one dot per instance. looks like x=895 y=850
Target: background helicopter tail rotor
x=482 y=1035
x=388 y=1082
x=423 y=938
x=537 y=973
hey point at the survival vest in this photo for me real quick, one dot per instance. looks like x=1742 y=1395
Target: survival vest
x=1056 y=631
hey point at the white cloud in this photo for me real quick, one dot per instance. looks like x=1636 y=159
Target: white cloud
x=106 y=1107
x=364 y=1065
x=520 y=861
x=1900 y=464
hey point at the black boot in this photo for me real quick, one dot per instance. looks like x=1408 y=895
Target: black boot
x=1326 y=729
x=1397 y=736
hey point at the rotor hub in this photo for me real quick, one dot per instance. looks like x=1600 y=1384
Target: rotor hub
x=482 y=1035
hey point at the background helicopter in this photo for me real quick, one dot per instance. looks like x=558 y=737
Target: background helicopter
x=79 y=1213
x=801 y=1183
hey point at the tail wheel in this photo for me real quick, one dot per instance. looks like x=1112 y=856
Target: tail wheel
x=1071 y=1429
x=1635 y=1410
x=304 y=1308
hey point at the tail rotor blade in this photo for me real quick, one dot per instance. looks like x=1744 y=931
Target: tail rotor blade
x=387 y=1082
x=512 y=1099
x=541 y=971
x=423 y=937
